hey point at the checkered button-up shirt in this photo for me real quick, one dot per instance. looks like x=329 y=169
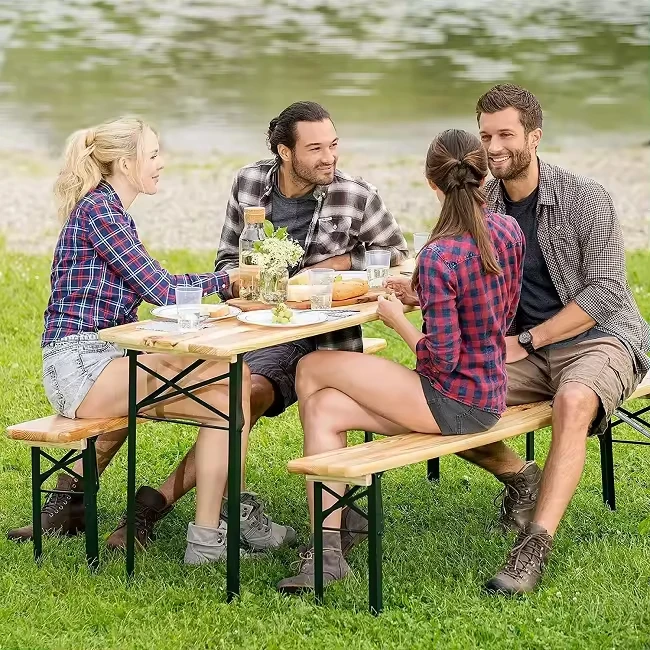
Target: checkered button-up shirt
x=467 y=312
x=101 y=271
x=350 y=218
x=582 y=244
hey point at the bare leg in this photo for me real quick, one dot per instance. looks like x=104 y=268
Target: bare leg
x=574 y=409
x=496 y=458
x=341 y=391
x=183 y=478
x=109 y=397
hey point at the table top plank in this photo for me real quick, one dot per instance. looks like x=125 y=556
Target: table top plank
x=225 y=339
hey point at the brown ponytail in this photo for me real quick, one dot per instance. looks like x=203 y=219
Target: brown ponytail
x=457 y=163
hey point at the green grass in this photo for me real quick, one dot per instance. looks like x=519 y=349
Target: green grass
x=439 y=547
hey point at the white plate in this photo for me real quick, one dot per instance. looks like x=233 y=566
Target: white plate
x=168 y=312
x=300 y=318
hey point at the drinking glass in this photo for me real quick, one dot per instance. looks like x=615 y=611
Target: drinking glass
x=322 y=281
x=188 y=308
x=377 y=266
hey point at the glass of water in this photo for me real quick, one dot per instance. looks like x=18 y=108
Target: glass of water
x=377 y=265
x=419 y=241
x=321 y=281
x=188 y=308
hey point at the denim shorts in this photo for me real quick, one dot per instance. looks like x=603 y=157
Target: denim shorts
x=71 y=366
x=453 y=417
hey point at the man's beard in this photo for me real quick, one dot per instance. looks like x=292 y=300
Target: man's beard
x=302 y=174
x=518 y=168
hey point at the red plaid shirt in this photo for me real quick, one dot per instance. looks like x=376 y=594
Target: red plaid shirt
x=467 y=313
x=101 y=271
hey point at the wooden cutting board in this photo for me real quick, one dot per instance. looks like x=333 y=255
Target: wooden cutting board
x=249 y=305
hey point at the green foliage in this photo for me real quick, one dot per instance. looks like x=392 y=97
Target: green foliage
x=439 y=543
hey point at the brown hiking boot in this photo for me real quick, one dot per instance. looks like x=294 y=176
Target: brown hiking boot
x=334 y=567
x=62 y=514
x=526 y=562
x=150 y=507
x=351 y=520
x=519 y=496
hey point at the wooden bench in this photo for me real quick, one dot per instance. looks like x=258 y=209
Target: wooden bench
x=79 y=436
x=361 y=467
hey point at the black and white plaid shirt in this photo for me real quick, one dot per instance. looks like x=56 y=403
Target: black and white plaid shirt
x=350 y=217
x=582 y=244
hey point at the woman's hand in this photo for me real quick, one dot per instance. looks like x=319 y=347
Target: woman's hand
x=390 y=310
x=234 y=277
x=401 y=287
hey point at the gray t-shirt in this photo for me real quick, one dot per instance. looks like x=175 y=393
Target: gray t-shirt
x=539 y=299
x=293 y=214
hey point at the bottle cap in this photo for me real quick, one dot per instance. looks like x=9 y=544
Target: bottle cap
x=254 y=215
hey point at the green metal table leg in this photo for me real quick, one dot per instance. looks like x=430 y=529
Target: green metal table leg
x=130 y=471
x=235 y=424
x=318 y=541
x=375 y=532
x=36 y=503
x=90 y=504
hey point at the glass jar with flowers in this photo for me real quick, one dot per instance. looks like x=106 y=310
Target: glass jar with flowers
x=275 y=255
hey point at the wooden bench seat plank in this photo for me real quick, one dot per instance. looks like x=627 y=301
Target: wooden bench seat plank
x=372 y=346
x=397 y=451
x=643 y=389
x=60 y=430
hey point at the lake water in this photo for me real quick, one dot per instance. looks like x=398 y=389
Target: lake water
x=211 y=74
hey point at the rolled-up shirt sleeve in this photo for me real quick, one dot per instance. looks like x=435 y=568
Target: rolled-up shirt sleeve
x=439 y=348
x=603 y=254
x=116 y=241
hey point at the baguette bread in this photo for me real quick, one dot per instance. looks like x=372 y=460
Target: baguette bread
x=346 y=289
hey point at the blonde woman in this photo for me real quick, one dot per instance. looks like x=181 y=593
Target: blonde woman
x=101 y=273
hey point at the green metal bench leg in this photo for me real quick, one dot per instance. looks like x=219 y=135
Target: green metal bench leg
x=90 y=504
x=368 y=436
x=36 y=503
x=375 y=532
x=530 y=446
x=607 y=468
x=433 y=469
x=318 y=541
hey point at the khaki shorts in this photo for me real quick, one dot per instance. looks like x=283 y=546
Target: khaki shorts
x=602 y=364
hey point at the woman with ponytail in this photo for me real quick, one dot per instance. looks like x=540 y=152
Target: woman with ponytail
x=101 y=273
x=467 y=279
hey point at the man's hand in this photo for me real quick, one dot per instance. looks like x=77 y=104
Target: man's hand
x=338 y=263
x=401 y=287
x=514 y=351
x=390 y=311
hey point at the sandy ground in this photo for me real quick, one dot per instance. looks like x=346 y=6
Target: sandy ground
x=189 y=208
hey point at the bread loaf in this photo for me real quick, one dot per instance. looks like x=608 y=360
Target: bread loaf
x=216 y=311
x=346 y=289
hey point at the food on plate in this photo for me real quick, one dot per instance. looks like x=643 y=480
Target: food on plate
x=281 y=314
x=300 y=279
x=215 y=311
x=298 y=292
x=346 y=289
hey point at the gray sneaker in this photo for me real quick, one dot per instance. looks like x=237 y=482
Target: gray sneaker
x=205 y=544
x=258 y=532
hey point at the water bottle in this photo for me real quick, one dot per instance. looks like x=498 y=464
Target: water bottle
x=249 y=272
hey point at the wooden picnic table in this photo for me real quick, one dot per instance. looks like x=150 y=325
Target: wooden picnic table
x=226 y=340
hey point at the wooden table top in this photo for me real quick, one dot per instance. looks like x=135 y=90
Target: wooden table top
x=225 y=339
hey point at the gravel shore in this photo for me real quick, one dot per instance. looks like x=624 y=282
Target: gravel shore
x=188 y=210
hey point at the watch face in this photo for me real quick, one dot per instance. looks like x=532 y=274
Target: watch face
x=525 y=337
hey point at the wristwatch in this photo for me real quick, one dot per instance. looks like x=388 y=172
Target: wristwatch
x=525 y=339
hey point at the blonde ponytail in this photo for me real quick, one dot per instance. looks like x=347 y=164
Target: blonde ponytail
x=91 y=154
